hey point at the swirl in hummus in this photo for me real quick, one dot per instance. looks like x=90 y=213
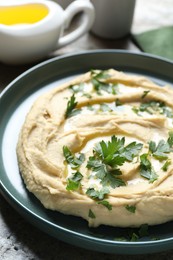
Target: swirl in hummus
x=101 y=147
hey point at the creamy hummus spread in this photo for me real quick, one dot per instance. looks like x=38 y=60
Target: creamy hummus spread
x=101 y=147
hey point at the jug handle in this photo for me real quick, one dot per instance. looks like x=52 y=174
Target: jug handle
x=87 y=20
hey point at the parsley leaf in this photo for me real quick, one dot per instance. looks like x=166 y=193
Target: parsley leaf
x=100 y=195
x=154 y=107
x=74 y=182
x=99 y=84
x=91 y=214
x=134 y=237
x=95 y=194
x=105 y=108
x=161 y=150
x=108 y=156
x=145 y=93
x=118 y=103
x=87 y=95
x=71 y=159
x=97 y=166
x=71 y=107
x=170 y=139
x=146 y=169
x=115 y=153
x=111 y=180
x=135 y=234
x=152 y=146
x=106 y=175
x=77 y=88
x=106 y=204
x=132 y=150
x=167 y=112
x=135 y=110
x=80 y=88
x=131 y=208
x=166 y=165
x=143 y=231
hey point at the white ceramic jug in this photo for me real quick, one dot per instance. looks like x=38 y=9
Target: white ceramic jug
x=31 y=29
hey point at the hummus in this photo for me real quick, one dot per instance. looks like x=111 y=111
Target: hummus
x=101 y=147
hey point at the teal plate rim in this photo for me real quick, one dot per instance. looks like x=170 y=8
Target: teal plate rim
x=17 y=98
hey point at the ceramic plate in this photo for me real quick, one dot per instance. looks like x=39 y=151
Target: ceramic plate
x=15 y=102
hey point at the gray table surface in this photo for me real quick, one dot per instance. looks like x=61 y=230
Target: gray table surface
x=19 y=239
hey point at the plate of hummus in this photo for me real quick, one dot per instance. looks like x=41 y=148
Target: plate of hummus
x=89 y=138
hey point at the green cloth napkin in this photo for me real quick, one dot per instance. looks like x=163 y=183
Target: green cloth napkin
x=157 y=41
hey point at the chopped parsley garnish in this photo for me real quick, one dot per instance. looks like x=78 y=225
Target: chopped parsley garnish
x=115 y=152
x=91 y=214
x=166 y=165
x=131 y=150
x=95 y=194
x=100 y=74
x=108 y=176
x=118 y=103
x=134 y=234
x=134 y=237
x=167 y=112
x=105 y=107
x=108 y=156
x=145 y=93
x=80 y=88
x=77 y=88
x=143 y=230
x=71 y=159
x=131 y=208
x=71 y=107
x=112 y=180
x=154 y=107
x=146 y=169
x=170 y=139
x=74 y=181
x=106 y=204
x=87 y=95
x=161 y=150
x=90 y=107
x=135 y=110
x=98 y=80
